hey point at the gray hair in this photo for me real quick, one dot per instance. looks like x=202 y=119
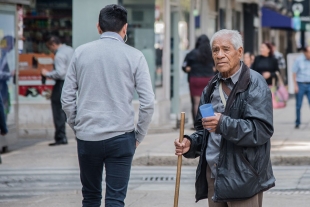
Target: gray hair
x=236 y=38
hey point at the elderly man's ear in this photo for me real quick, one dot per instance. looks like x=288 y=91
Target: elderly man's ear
x=99 y=29
x=240 y=51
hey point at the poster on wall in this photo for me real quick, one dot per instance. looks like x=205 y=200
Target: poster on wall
x=7 y=62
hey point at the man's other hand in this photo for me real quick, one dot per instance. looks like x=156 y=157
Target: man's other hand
x=210 y=123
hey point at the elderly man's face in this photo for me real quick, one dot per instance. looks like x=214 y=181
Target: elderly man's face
x=226 y=57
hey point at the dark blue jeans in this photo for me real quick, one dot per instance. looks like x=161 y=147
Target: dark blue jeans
x=304 y=89
x=116 y=154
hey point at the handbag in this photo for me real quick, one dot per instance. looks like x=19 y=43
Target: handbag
x=279 y=93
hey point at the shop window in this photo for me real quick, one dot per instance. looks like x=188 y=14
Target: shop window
x=44 y=18
x=222 y=19
x=237 y=20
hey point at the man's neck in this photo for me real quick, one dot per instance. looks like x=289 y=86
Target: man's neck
x=231 y=72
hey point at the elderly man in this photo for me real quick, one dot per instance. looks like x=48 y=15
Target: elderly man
x=234 y=144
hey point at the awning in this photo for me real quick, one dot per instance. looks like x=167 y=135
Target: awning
x=26 y=2
x=275 y=20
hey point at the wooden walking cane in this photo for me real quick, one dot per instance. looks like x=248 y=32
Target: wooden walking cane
x=178 y=177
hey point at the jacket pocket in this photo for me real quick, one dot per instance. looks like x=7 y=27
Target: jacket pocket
x=236 y=179
x=248 y=164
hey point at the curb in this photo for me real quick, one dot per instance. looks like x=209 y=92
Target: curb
x=172 y=161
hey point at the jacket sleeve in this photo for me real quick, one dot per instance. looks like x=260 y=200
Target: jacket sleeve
x=68 y=95
x=3 y=127
x=186 y=62
x=144 y=89
x=255 y=127
x=196 y=138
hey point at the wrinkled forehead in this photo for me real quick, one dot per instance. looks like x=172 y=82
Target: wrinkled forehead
x=222 y=40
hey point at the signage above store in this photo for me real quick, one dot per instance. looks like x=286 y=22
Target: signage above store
x=25 y=2
x=302 y=7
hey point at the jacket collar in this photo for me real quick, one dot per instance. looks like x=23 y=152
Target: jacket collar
x=112 y=35
x=241 y=86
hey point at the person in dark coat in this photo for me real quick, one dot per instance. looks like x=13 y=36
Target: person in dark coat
x=198 y=63
x=265 y=63
x=233 y=145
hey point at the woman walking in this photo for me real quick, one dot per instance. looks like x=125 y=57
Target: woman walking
x=265 y=63
x=199 y=65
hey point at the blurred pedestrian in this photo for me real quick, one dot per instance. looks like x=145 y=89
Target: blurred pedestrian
x=252 y=58
x=247 y=59
x=6 y=46
x=199 y=65
x=301 y=77
x=63 y=55
x=234 y=144
x=3 y=127
x=265 y=63
x=105 y=73
x=281 y=61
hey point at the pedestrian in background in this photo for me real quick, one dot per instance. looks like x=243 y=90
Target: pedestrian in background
x=199 y=65
x=105 y=73
x=301 y=77
x=281 y=61
x=63 y=55
x=234 y=145
x=247 y=59
x=266 y=64
x=3 y=127
x=6 y=46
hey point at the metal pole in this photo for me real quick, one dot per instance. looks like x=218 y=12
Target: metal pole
x=178 y=176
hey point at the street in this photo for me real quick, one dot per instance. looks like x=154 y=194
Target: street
x=149 y=186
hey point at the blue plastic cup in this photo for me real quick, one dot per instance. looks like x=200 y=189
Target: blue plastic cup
x=206 y=110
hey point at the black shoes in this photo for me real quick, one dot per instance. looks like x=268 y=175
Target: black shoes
x=296 y=126
x=58 y=143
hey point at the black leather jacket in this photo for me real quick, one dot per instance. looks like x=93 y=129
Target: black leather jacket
x=244 y=168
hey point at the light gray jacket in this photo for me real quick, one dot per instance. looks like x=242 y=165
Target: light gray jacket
x=104 y=74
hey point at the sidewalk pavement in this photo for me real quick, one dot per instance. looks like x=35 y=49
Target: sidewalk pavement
x=290 y=146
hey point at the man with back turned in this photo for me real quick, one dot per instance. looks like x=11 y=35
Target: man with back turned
x=105 y=73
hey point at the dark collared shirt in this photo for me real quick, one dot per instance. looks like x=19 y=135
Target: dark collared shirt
x=214 y=140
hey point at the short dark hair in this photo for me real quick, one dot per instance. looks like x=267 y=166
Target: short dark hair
x=52 y=39
x=112 y=18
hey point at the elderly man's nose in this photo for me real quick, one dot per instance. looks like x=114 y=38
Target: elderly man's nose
x=220 y=54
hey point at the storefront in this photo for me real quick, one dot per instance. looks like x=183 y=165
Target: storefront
x=164 y=30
